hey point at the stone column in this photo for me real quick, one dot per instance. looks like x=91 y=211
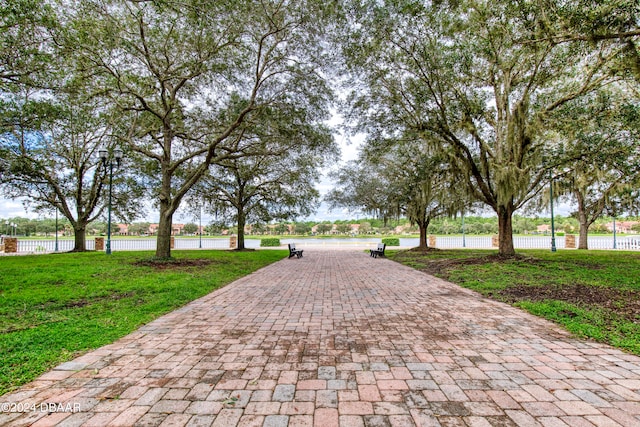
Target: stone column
x=173 y=242
x=495 y=241
x=233 y=242
x=10 y=245
x=570 y=241
x=99 y=243
x=432 y=241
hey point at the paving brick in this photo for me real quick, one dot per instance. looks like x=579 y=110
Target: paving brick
x=227 y=418
x=284 y=393
x=326 y=417
x=328 y=399
x=351 y=421
x=369 y=393
x=251 y=421
x=578 y=408
x=355 y=408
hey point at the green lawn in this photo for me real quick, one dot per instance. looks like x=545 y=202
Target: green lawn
x=54 y=307
x=593 y=294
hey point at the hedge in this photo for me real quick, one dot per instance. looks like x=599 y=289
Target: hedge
x=272 y=241
x=391 y=241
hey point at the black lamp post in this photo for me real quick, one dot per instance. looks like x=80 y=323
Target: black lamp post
x=56 y=248
x=117 y=157
x=55 y=205
x=200 y=228
x=464 y=242
x=553 y=229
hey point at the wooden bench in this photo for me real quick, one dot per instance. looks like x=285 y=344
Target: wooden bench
x=294 y=252
x=379 y=251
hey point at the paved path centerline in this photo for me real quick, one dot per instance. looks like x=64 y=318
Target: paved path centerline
x=339 y=339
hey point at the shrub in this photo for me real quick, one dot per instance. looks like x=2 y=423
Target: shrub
x=391 y=241
x=271 y=241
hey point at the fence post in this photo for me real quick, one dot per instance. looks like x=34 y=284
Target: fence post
x=432 y=241
x=233 y=242
x=173 y=242
x=99 y=244
x=495 y=241
x=10 y=245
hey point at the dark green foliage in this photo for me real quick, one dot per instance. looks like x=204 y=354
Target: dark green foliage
x=391 y=241
x=272 y=241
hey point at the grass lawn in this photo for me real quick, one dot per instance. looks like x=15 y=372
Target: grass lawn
x=55 y=307
x=593 y=294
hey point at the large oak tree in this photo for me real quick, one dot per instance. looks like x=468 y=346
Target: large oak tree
x=597 y=140
x=190 y=73
x=472 y=76
x=276 y=183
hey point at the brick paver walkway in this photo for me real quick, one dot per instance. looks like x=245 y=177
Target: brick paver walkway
x=339 y=338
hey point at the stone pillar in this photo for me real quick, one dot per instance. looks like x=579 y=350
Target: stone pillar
x=10 y=245
x=495 y=241
x=432 y=241
x=570 y=241
x=99 y=243
x=233 y=242
x=173 y=242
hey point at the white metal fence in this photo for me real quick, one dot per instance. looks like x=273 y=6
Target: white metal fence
x=535 y=242
x=44 y=246
x=442 y=242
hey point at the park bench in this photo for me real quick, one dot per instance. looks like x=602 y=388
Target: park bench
x=294 y=252
x=379 y=251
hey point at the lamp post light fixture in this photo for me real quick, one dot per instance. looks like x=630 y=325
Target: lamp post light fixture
x=108 y=162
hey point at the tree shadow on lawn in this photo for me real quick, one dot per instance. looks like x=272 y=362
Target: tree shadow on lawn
x=173 y=264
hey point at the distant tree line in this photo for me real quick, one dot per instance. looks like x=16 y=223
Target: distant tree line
x=478 y=225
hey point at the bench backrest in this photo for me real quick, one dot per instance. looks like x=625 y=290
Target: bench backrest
x=292 y=246
x=381 y=246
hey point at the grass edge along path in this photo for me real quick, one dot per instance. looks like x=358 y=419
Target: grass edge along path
x=56 y=307
x=592 y=294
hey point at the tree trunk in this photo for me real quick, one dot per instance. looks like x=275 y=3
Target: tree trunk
x=423 y=237
x=167 y=206
x=80 y=235
x=583 y=243
x=241 y=223
x=163 y=241
x=423 y=226
x=505 y=232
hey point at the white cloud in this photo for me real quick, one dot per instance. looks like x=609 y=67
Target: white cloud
x=14 y=208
